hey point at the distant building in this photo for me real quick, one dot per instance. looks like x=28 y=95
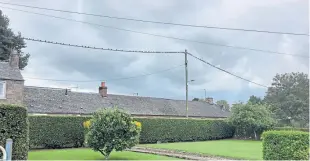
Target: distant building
x=41 y=100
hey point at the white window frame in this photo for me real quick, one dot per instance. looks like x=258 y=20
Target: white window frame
x=3 y=93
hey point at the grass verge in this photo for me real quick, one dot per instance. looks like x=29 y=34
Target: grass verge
x=88 y=154
x=235 y=149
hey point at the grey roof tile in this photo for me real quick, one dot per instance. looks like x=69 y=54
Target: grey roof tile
x=54 y=100
x=7 y=72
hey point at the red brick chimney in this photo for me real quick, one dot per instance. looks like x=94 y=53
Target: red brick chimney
x=14 y=59
x=103 y=90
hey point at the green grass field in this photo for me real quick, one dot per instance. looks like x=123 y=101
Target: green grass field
x=238 y=149
x=88 y=154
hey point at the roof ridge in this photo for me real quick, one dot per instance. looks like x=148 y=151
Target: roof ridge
x=58 y=88
x=53 y=100
x=9 y=73
x=3 y=62
x=54 y=88
x=159 y=98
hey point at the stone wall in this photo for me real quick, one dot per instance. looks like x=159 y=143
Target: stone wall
x=14 y=92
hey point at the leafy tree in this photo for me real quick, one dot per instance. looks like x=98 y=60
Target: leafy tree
x=112 y=129
x=195 y=99
x=288 y=98
x=223 y=104
x=250 y=120
x=255 y=100
x=11 y=41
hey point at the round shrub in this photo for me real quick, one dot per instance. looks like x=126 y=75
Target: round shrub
x=112 y=129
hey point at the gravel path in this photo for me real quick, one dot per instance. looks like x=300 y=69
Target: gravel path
x=175 y=153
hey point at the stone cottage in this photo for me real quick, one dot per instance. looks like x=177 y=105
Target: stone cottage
x=52 y=101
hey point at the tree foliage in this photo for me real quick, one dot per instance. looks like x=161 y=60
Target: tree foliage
x=9 y=41
x=250 y=120
x=288 y=98
x=112 y=129
x=195 y=99
x=255 y=100
x=223 y=104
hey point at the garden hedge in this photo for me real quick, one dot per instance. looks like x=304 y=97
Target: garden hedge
x=14 y=125
x=285 y=145
x=291 y=129
x=178 y=130
x=56 y=131
x=68 y=131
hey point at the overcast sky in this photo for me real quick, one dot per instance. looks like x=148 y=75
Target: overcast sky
x=61 y=62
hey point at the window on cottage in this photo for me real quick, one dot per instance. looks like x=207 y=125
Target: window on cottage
x=2 y=89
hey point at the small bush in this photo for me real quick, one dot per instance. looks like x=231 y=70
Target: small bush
x=178 y=130
x=285 y=145
x=56 y=131
x=112 y=129
x=14 y=125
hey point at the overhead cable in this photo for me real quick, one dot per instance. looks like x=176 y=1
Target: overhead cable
x=226 y=71
x=158 y=22
x=133 y=51
x=162 y=36
x=98 y=48
x=108 y=80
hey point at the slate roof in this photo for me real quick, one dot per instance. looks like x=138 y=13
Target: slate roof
x=9 y=73
x=54 y=101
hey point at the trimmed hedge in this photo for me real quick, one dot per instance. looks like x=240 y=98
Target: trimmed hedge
x=14 y=125
x=56 y=131
x=285 y=145
x=291 y=129
x=68 y=131
x=250 y=135
x=178 y=130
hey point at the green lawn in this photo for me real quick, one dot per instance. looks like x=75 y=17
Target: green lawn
x=238 y=149
x=88 y=154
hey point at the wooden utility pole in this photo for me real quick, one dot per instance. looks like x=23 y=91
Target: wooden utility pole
x=186 y=82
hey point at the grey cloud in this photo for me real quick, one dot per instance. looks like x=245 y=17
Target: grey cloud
x=62 y=61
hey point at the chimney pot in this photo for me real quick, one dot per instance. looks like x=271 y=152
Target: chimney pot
x=209 y=100
x=102 y=84
x=14 y=59
x=103 y=90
